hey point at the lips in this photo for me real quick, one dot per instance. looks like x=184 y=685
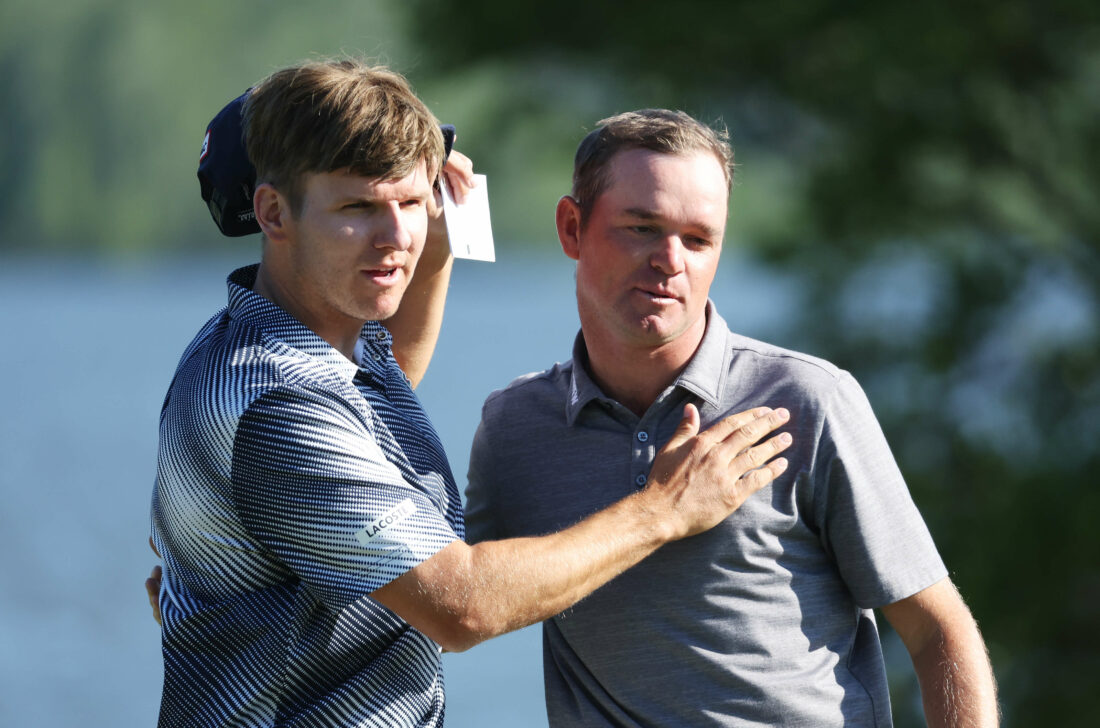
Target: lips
x=383 y=275
x=658 y=293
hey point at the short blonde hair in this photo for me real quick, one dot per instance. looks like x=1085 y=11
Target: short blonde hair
x=324 y=116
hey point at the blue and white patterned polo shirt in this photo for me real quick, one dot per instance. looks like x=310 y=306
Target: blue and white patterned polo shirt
x=292 y=483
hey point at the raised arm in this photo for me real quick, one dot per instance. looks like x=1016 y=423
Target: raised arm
x=466 y=594
x=949 y=656
x=415 y=326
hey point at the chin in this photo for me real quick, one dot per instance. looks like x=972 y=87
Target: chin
x=378 y=308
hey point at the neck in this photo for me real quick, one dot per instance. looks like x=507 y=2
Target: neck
x=636 y=375
x=340 y=337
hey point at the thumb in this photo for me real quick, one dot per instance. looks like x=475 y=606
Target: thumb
x=688 y=427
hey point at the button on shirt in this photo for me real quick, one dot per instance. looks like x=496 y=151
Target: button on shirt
x=763 y=620
x=291 y=484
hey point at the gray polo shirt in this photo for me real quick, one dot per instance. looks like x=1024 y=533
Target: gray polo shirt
x=765 y=619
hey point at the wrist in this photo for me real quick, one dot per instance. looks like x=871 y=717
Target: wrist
x=654 y=517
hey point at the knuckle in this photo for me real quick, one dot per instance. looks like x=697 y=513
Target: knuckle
x=758 y=455
x=757 y=479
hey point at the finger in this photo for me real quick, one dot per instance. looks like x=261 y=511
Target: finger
x=152 y=590
x=757 y=479
x=755 y=457
x=724 y=428
x=456 y=187
x=459 y=176
x=751 y=432
x=461 y=166
x=687 y=429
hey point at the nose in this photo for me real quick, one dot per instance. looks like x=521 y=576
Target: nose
x=394 y=232
x=667 y=256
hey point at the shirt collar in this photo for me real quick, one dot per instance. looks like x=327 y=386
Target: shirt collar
x=250 y=307
x=704 y=376
x=582 y=389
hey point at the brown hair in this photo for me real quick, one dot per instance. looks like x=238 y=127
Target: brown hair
x=660 y=130
x=324 y=116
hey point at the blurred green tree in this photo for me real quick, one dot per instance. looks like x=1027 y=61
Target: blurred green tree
x=105 y=103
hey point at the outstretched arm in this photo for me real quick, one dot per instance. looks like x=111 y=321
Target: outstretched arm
x=466 y=594
x=415 y=326
x=949 y=655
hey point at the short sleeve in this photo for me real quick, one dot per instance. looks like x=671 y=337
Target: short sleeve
x=481 y=518
x=312 y=484
x=866 y=515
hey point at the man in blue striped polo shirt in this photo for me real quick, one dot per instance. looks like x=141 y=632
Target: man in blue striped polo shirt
x=309 y=523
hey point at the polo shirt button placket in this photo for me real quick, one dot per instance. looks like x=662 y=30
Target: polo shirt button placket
x=642 y=456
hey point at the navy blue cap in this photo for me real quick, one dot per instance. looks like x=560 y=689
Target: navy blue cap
x=227 y=178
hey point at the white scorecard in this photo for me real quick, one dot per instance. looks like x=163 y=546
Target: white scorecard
x=468 y=226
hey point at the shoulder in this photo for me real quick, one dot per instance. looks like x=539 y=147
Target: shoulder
x=759 y=365
x=778 y=360
x=231 y=364
x=552 y=383
x=529 y=399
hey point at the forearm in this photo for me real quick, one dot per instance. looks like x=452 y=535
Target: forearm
x=523 y=581
x=956 y=679
x=949 y=656
x=416 y=325
x=468 y=594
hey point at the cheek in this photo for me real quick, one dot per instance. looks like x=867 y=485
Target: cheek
x=416 y=222
x=597 y=281
x=702 y=278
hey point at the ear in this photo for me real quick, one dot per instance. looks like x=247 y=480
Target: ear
x=272 y=212
x=568 y=219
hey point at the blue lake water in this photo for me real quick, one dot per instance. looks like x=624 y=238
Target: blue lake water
x=88 y=350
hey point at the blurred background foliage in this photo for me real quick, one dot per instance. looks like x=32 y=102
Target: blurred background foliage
x=921 y=181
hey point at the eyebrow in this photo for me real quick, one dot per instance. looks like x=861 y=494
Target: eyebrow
x=371 y=199
x=645 y=214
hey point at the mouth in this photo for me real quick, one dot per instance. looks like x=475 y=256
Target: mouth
x=658 y=295
x=386 y=274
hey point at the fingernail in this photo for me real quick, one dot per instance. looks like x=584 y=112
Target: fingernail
x=783 y=413
x=785 y=438
x=780 y=464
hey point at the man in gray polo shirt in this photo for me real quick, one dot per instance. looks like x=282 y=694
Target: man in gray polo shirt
x=766 y=619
